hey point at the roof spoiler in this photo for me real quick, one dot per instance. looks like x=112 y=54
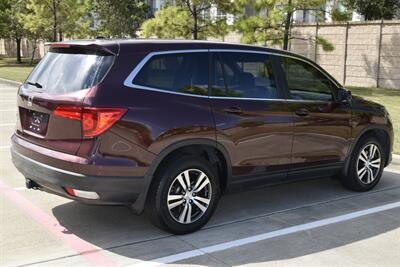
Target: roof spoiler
x=85 y=46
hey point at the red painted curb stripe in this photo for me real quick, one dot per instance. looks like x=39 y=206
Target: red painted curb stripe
x=91 y=253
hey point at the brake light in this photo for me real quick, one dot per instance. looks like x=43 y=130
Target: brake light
x=73 y=113
x=58 y=45
x=95 y=121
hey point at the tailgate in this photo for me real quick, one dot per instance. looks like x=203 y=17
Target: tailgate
x=62 y=78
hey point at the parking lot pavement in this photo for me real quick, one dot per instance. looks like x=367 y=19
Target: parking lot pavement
x=315 y=222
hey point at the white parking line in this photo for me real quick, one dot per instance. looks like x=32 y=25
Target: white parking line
x=389 y=169
x=265 y=236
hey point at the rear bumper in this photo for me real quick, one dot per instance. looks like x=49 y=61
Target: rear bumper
x=111 y=190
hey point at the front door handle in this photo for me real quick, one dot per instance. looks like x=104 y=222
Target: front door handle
x=233 y=110
x=302 y=112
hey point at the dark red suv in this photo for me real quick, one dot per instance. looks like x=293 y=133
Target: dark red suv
x=167 y=126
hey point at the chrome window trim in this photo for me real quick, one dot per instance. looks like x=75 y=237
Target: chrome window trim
x=165 y=91
x=128 y=82
x=248 y=98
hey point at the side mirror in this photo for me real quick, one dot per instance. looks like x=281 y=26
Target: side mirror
x=344 y=95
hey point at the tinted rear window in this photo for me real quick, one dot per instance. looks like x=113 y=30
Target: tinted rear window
x=181 y=72
x=68 y=72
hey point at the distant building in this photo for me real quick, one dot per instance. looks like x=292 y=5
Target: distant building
x=312 y=16
x=155 y=5
x=300 y=16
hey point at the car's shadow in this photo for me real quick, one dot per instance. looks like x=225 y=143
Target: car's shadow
x=116 y=229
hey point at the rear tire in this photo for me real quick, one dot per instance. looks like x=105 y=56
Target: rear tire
x=366 y=165
x=184 y=195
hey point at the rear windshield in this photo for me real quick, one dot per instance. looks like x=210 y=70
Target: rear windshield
x=68 y=72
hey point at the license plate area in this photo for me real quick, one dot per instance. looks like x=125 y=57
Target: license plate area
x=36 y=122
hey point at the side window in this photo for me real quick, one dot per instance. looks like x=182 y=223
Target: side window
x=247 y=75
x=181 y=72
x=305 y=82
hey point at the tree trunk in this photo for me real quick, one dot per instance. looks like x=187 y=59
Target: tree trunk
x=55 y=22
x=195 y=24
x=33 y=51
x=60 y=36
x=287 y=26
x=18 y=41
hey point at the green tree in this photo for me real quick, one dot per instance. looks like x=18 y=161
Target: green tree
x=341 y=15
x=10 y=25
x=219 y=28
x=119 y=18
x=374 y=9
x=35 y=30
x=169 y=23
x=264 y=27
x=273 y=20
x=4 y=19
x=54 y=19
x=192 y=15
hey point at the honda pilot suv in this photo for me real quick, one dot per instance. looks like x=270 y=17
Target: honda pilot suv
x=166 y=127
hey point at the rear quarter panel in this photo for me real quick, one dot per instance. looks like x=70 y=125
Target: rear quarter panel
x=154 y=120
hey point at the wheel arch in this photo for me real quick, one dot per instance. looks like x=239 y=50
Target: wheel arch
x=214 y=150
x=381 y=133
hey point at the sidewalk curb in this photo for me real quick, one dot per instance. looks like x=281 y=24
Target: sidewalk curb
x=396 y=159
x=10 y=82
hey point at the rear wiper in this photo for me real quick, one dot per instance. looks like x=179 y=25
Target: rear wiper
x=36 y=84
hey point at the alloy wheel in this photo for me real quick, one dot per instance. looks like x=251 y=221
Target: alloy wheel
x=369 y=164
x=189 y=196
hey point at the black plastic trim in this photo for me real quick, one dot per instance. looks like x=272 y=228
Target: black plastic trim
x=138 y=206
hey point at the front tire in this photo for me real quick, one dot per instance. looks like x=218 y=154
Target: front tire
x=366 y=166
x=184 y=196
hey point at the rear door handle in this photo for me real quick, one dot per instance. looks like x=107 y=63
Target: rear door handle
x=233 y=110
x=301 y=112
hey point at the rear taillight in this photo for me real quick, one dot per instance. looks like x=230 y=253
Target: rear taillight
x=74 y=113
x=95 y=121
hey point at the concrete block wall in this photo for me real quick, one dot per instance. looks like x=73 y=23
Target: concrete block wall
x=303 y=42
x=365 y=54
x=389 y=72
x=8 y=48
x=362 y=55
x=332 y=61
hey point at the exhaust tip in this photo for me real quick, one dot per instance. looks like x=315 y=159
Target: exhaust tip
x=31 y=184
